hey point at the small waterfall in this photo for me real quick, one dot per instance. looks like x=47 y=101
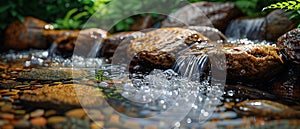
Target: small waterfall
x=251 y=28
x=94 y=51
x=52 y=50
x=191 y=66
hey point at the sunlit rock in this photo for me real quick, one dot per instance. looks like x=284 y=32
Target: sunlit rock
x=204 y=13
x=158 y=48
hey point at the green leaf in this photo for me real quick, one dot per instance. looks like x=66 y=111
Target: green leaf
x=4 y=8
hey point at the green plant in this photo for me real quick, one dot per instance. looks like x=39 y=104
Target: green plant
x=291 y=8
x=100 y=77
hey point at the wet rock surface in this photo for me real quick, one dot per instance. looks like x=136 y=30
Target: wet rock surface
x=113 y=41
x=252 y=62
x=23 y=105
x=20 y=35
x=289 y=44
x=266 y=108
x=158 y=48
x=204 y=13
x=61 y=96
x=81 y=42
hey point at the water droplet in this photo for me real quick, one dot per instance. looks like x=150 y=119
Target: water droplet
x=230 y=93
x=188 y=120
x=177 y=124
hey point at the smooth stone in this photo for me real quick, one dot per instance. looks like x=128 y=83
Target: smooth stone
x=23 y=124
x=56 y=119
x=95 y=115
x=37 y=113
x=38 y=121
x=77 y=113
x=20 y=112
x=3 y=122
x=50 y=113
x=7 y=126
x=151 y=127
x=7 y=116
x=97 y=125
x=62 y=97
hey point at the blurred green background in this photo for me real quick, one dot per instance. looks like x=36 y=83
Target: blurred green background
x=72 y=14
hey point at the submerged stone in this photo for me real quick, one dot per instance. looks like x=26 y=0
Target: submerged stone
x=62 y=96
x=45 y=75
x=265 y=108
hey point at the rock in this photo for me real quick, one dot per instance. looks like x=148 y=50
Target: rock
x=7 y=116
x=56 y=119
x=278 y=23
x=265 y=108
x=289 y=44
x=141 y=23
x=23 y=124
x=9 y=84
x=203 y=13
x=50 y=112
x=85 y=41
x=158 y=48
x=37 y=113
x=245 y=92
x=62 y=97
x=38 y=121
x=77 y=113
x=45 y=75
x=252 y=62
x=113 y=41
x=97 y=125
x=22 y=35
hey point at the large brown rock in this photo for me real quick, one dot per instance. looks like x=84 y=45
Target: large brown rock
x=32 y=33
x=252 y=62
x=158 y=48
x=204 y=14
x=244 y=62
x=278 y=23
x=82 y=42
x=22 y=35
x=289 y=44
x=62 y=97
x=111 y=43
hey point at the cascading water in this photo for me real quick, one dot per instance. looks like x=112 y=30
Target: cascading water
x=253 y=29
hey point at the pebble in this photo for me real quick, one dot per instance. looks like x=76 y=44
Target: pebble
x=56 y=119
x=77 y=113
x=7 y=126
x=20 y=112
x=7 y=107
x=97 y=125
x=3 y=122
x=50 y=113
x=95 y=115
x=37 y=113
x=7 y=116
x=38 y=121
x=150 y=127
x=23 y=124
